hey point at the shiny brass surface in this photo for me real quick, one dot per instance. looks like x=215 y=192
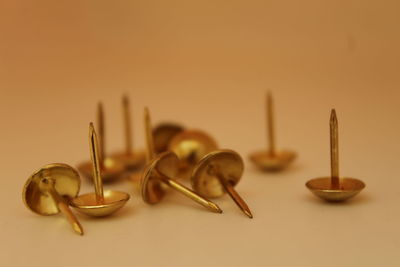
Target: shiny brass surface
x=334 y=145
x=112 y=168
x=271 y=159
x=102 y=133
x=112 y=201
x=163 y=134
x=322 y=187
x=49 y=189
x=152 y=187
x=152 y=190
x=150 y=151
x=126 y=111
x=335 y=188
x=130 y=158
x=218 y=173
x=101 y=203
x=190 y=146
x=158 y=172
x=272 y=162
x=156 y=177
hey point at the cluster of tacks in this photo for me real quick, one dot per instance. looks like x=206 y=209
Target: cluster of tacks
x=172 y=151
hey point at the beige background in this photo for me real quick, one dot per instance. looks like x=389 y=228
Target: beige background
x=206 y=64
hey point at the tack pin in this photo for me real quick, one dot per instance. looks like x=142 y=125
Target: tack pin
x=158 y=173
x=47 y=190
x=218 y=173
x=190 y=146
x=129 y=158
x=334 y=188
x=271 y=159
x=163 y=134
x=111 y=168
x=101 y=203
x=150 y=150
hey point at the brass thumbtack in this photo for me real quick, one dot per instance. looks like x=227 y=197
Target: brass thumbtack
x=334 y=188
x=159 y=171
x=45 y=191
x=190 y=146
x=101 y=203
x=163 y=134
x=218 y=172
x=129 y=158
x=271 y=160
x=111 y=168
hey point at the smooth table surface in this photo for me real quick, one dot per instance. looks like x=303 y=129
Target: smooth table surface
x=212 y=75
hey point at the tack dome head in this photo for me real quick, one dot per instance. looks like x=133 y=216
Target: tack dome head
x=190 y=146
x=49 y=189
x=152 y=188
x=335 y=188
x=89 y=205
x=218 y=165
x=322 y=188
x=217 y=173
x=163 y=134
x=272 y=162
x=35 y=194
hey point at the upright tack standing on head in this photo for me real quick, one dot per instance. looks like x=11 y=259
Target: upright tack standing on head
x=130 y=158
x=334 y=188
x=271 y=159
x=101 y=203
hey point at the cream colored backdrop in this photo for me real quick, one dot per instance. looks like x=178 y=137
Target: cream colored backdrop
x=206 y=64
